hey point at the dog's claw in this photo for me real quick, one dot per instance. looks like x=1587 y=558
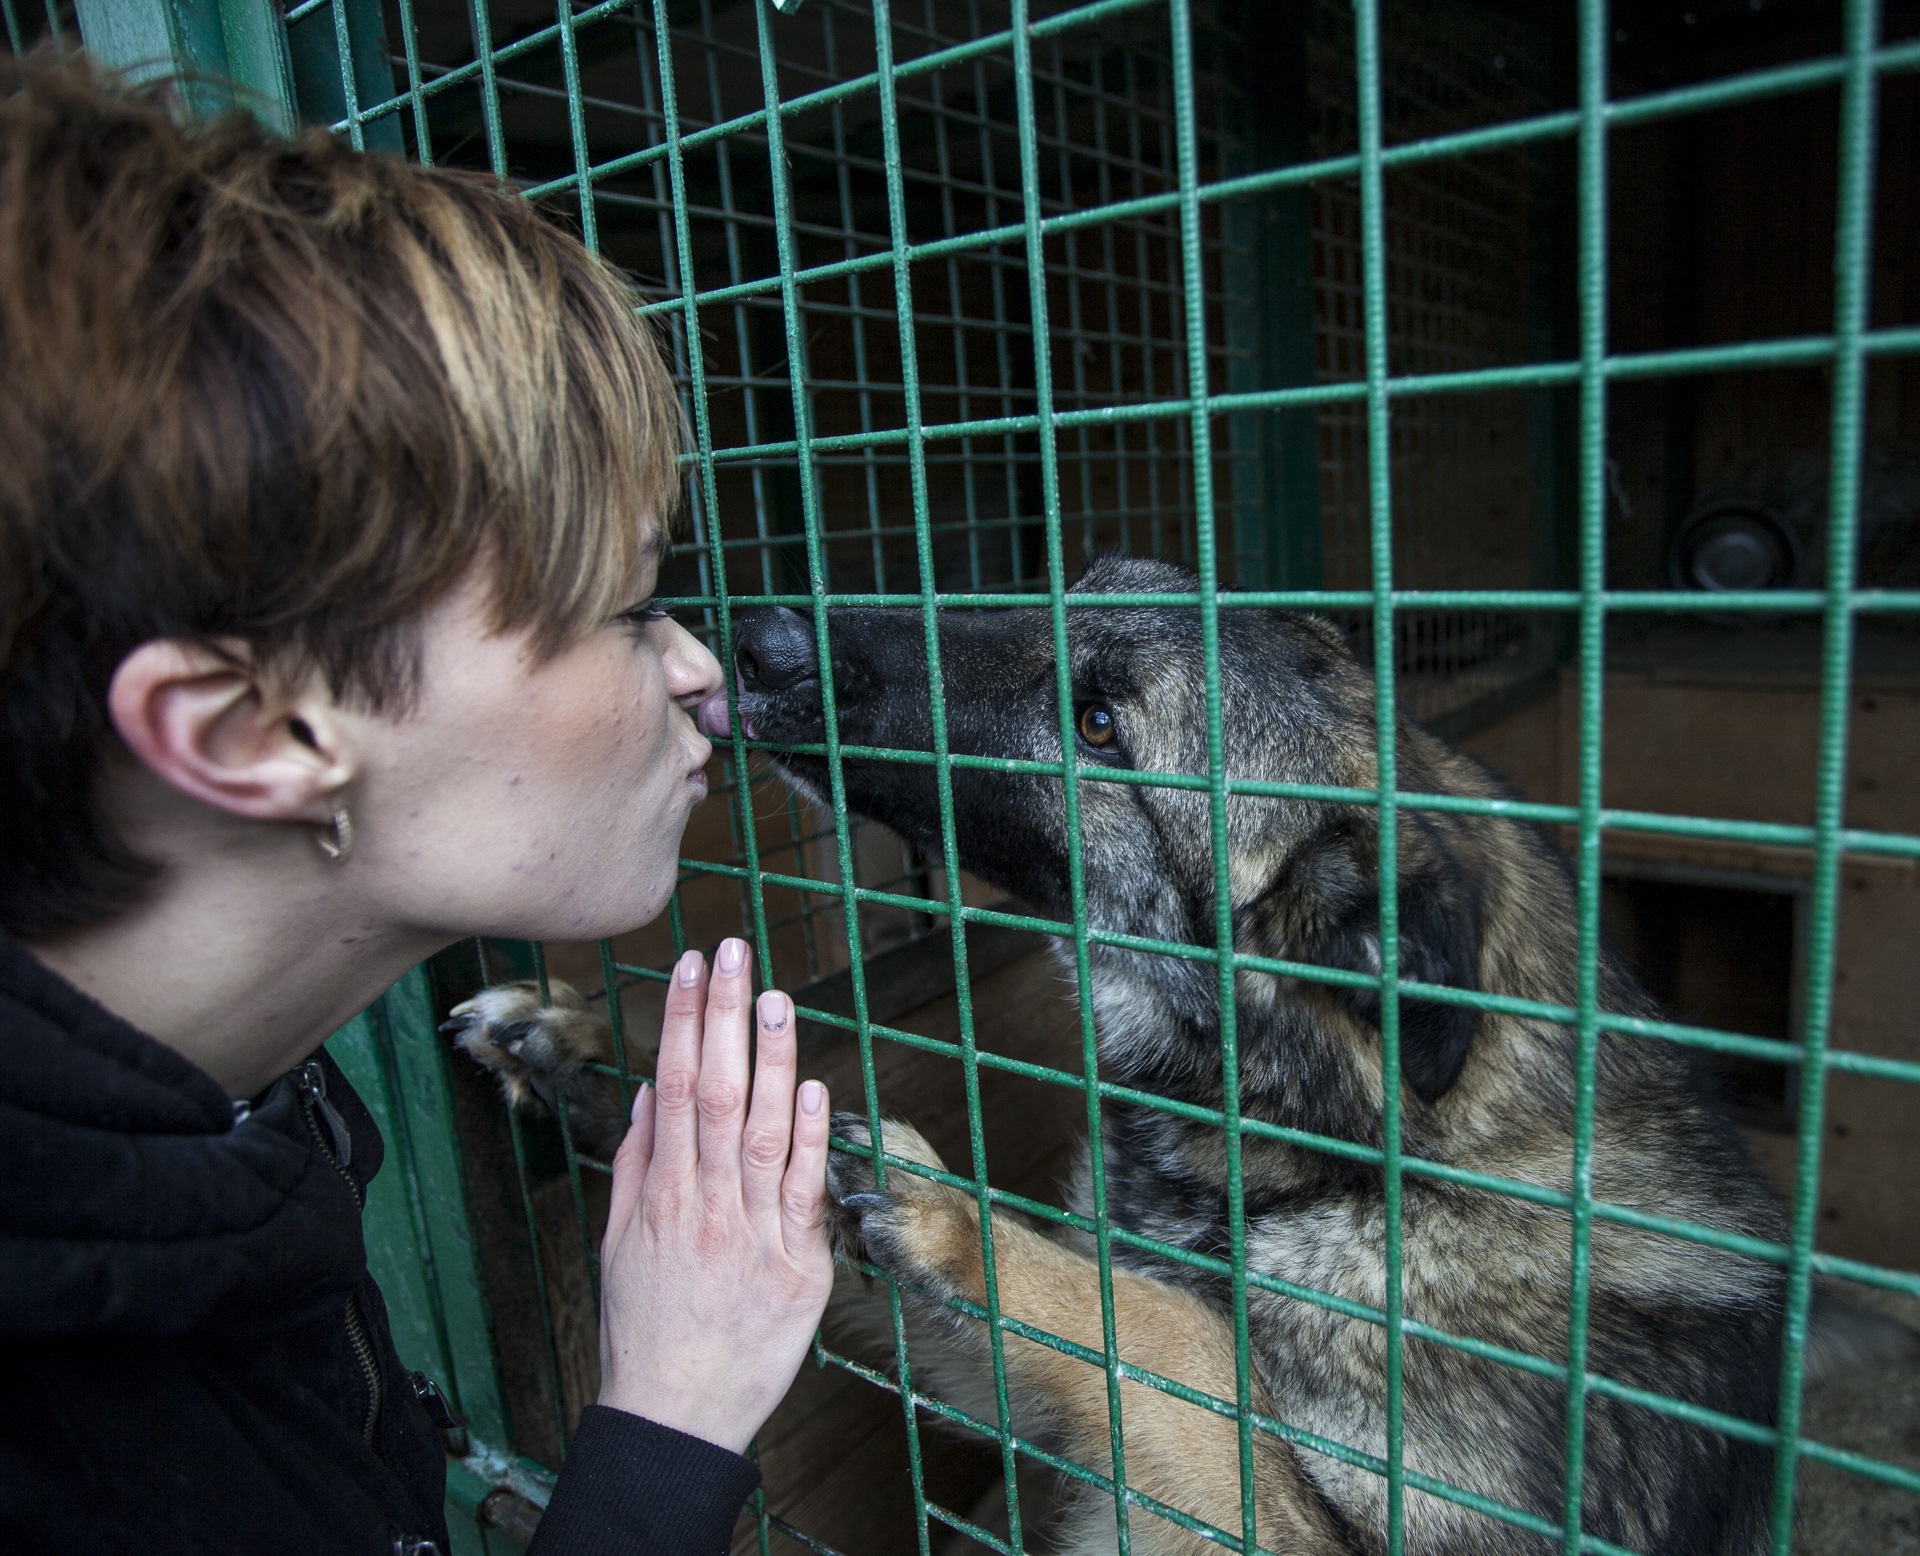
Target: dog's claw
x=868 y=1201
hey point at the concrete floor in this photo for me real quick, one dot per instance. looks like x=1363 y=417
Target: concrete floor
x=1874 y=1411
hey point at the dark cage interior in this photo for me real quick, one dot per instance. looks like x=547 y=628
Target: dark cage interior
x=1581 y=341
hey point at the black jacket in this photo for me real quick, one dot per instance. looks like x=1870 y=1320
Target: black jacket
x=193 y=1357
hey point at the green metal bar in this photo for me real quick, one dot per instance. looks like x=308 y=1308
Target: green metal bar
x=349 y=86
x=1657 y=601
x=418 y=1242
x=485 y=56
x=708 y=508
x=209 y=43
x=1031 y=232
x=676 y=223
x=707 y=478
x=419 y=1239
x=1110 y=270
x=1771 y=1049
x=1071 y=1468
x=1592 y=670
x=943 y=774
x=531 y=1222
x=957 y=312
x=817 y=579
x=1770 y=833
x=1276 y=455
x=410 y=46
x=1373 y=244
x=1002 y=326
x=921 y=445
x=339 y=58
x=533 y=42
x=1749 y=86
x=1787 y=352
x=1295 y=1435
x=577 y=124
x=897 y=227
x=1474 y=999
x=1076 y=359
x=1746 y=87
x=1538 y=1366
x=1853 y=279
x=1200 y=435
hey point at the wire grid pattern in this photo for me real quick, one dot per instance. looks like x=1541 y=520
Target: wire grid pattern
x=837 y=430
x=29 y=24
x=697 y=199
x=1464 y=291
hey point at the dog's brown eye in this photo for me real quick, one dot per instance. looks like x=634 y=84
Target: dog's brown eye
x=1097 y=727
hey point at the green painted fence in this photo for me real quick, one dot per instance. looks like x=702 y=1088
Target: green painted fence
x=741 y=258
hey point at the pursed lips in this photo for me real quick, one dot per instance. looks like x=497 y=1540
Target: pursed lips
x=697 y=774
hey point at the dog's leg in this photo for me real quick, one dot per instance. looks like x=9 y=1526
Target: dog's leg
x=927 y=1235
x=538 y=1051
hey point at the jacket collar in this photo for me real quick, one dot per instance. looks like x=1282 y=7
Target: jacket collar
x=135 y=1200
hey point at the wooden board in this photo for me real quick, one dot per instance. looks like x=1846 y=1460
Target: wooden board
x=1727 y=744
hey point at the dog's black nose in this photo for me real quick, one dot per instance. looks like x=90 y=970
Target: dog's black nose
x=773 y=649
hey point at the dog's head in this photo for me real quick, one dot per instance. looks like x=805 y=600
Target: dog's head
x=1295 y=708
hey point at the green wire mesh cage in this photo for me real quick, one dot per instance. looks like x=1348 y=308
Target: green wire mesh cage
x=1347 y=309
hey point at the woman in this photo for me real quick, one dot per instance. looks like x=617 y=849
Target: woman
x=333 y=496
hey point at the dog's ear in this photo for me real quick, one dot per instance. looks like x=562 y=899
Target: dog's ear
x=1331 y=906
x=1439 y=943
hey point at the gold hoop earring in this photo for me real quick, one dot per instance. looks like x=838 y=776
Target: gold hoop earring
x=336 y=838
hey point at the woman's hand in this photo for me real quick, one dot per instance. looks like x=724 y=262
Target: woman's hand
x=715 y=1268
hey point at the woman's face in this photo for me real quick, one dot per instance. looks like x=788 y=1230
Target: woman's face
x=530 y=798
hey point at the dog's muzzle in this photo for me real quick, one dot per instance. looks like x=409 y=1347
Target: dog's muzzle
x=773 y=650
x=773 y=657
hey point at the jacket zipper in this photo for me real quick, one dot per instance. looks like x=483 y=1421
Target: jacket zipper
x=336 y=1144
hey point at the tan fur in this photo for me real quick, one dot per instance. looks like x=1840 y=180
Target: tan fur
x=1178 y=1453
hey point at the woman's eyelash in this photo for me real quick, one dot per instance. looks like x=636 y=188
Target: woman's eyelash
x=642 y=615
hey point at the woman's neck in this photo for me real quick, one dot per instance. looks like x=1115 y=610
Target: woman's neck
x=242 y=973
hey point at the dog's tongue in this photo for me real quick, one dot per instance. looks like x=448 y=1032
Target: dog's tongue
x=710 y=718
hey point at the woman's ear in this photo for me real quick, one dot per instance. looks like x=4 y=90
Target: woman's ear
x=211 y=723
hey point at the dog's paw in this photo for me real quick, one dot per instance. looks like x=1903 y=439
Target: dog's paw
x=534 y=1050
x=922 y=1233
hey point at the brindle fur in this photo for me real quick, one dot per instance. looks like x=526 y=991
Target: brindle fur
x=1484 y=904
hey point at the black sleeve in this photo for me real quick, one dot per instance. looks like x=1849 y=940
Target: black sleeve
x=632 y=1487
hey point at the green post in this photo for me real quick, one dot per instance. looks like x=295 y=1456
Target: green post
x=208 y=41
x=320 y=75
x=419 y=1238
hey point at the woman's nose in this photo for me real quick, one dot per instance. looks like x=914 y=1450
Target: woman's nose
x=693 y=674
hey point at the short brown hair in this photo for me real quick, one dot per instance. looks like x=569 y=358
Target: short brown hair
x=278 y=391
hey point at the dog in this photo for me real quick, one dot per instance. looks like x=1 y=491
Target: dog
x=1485 y=903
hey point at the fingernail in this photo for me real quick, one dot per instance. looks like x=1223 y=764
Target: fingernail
x=773 y=1010
x=689 y=969
x=732 y=957
x=813 y=1097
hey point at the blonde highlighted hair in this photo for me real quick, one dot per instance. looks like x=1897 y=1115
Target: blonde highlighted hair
x=277 y=391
